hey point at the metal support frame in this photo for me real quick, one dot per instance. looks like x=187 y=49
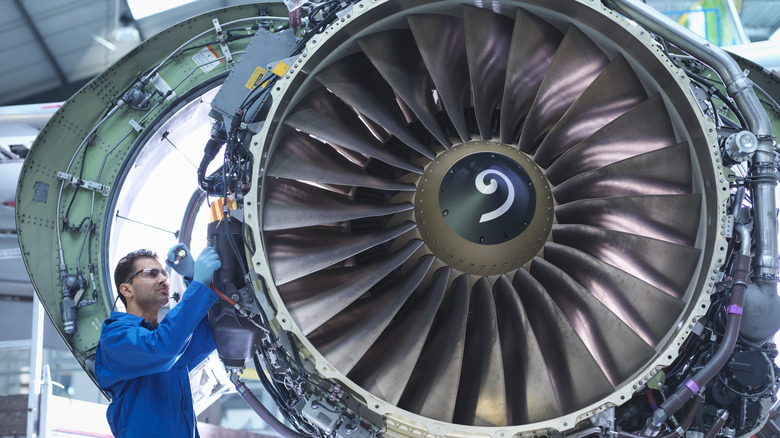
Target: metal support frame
x=34 y=407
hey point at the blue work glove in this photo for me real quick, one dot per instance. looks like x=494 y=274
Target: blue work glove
x=205 y=265
x=185 y=266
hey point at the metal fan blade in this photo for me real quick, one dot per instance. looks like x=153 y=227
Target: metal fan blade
x=534 y=42
x=576 y=376
x=615 y=91
x=346 y=337
x=390 y=50
x=530 y=395
x=667 y=266
x=442 y=45
x=488 y=37
x=647 y=310
x=644 y=128
x=481 y=393
x=660 y=172
x=317 y=297
x=291 y=204
x=576 y=64
x=617 y=349
x=433 y=386
x=673 y=218
x=326 y=117
x=387 y=366
x=295 y=254
x=355 y=80
x=300 y=157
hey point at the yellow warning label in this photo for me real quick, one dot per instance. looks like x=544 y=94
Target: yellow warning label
x=257 y=75
x=280 y=69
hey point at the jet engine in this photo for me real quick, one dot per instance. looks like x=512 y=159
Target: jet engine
x=440 y=218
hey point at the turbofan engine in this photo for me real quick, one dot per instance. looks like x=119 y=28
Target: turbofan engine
x=444 y=218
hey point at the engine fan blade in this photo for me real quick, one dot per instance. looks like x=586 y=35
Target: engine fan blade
x=617 y=349
x=647 y=310
x=665 y=265
x=638 y=175
x=391 y=50
x=576 y=64
x=300 y=157
x=346 y=337
x=644 y=128
x=488 y=37
x=325 y=116
x=295 y=254
x=442 y=45
x=530 y=394
x=576 y=376
x=317 y=297
x=433 y=387
x=481 y=392
x=386 y=368
x=534 y=43
x=355 y=80
x=292 y=204
x=673 y=218
x=614 y=91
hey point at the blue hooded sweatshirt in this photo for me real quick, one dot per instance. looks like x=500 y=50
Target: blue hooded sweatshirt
x=146 y=369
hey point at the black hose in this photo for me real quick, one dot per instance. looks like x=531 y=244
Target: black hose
x=264 y=414
x=718 y=360
x=678 y=432
x=717 y=425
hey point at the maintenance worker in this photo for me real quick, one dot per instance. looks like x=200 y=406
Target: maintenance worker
x=144 y=364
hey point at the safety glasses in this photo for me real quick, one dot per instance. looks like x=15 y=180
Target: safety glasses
x=149 y=274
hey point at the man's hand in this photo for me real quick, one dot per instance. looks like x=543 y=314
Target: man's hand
x=207 y=263
x=183 y=266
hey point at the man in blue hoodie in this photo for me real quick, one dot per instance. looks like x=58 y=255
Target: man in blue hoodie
x=144 y=364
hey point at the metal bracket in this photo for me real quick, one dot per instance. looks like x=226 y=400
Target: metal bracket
x=222 y=42
x=83 y=184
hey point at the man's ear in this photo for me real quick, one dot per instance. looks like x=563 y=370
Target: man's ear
x=126 y=290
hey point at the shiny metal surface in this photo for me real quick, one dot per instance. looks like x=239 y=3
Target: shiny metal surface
x=614 y=91
x=673 y=218
x=412 y=83
x=292 y=204
x=577 y=63
x=345 y=338
x=644 y=128
x=635 y=176
x=441 y=42
x=665 y=265
x=362 y=87
x=481 y=392
x=294 y=255
x=403 y=306
x=300 y=157
x=534 y=43
x=488 y=39
x=317 y=297
x=387 y=367
x=326 y=117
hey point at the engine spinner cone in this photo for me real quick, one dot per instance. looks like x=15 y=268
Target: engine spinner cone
x=484 y=207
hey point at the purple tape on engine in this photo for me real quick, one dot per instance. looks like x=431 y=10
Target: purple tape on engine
x=692 y=386
x=737 y=310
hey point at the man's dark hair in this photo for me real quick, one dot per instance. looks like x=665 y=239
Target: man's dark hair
x=126 y=268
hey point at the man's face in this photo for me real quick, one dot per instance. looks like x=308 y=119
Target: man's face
x=149 y=293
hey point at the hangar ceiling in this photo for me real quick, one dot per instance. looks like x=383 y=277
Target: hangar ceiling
x=53 y=48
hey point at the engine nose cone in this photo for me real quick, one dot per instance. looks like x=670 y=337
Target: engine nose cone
x=484 y=207
x=487 y=198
